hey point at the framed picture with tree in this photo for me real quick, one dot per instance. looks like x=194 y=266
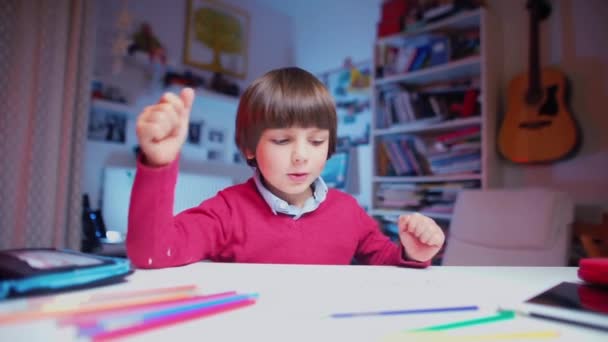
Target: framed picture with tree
x=216 y=37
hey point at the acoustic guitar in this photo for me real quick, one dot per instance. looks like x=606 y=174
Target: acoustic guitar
x=538 y=127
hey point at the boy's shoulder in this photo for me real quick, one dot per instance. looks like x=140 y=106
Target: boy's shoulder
x=341 y=197
x=246 y=188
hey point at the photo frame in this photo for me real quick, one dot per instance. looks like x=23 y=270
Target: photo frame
x=216 y=136
x=107 y=123
x=195 y=132
x=215 y=155
x=217 y=37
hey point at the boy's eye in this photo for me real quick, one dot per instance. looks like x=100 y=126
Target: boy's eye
x=318 y=142
x=280 y=141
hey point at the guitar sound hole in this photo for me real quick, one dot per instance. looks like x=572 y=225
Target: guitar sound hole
x=535 y=124
x=550 y=106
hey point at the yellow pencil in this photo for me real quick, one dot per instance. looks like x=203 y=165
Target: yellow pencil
x=444 y=336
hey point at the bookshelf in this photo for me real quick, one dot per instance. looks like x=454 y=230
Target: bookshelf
x=434 y=111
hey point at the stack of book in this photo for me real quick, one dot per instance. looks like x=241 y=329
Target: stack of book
x=397 y=105
x=455 y=152
x=432 y=198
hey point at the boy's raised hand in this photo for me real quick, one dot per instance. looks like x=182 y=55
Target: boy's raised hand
x=162 y=128
x=420 y=236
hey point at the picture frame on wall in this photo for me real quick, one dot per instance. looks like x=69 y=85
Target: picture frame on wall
x=107 y=122
x=215 y=155
x=216 y=37
x=195 y=132
x=216 y=136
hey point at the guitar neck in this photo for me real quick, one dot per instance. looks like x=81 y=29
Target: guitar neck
x=534 y=86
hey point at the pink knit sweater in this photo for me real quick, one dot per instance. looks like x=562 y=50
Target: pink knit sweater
x=237 y=225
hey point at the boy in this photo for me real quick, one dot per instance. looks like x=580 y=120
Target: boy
x=286 y=128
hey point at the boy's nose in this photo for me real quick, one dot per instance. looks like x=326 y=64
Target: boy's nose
x=299 y=154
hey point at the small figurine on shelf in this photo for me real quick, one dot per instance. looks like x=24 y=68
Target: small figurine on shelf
x=144 y=40
x=222 y=85
x=187 y=79
x=106 y=92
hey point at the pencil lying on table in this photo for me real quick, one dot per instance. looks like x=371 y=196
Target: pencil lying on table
x=66 y=305
x=117 y=327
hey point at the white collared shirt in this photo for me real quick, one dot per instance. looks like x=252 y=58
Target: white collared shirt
x=278 y=205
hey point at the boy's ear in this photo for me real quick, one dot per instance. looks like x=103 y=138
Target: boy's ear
x=249 y=154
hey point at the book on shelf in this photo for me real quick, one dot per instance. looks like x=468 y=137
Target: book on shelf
x=424 y=197
x=410 y=155
x=402 y=56
x=399 y=106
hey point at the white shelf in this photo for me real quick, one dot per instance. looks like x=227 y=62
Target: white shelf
x=437 y=127
x=424 y=179
x=466 y=67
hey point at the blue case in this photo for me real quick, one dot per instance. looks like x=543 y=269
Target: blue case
x=41 y=270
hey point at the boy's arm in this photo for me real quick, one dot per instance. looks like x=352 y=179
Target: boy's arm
x=375 y=248
x=156 y=238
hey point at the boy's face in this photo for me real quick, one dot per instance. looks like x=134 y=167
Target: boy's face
x=290 y=159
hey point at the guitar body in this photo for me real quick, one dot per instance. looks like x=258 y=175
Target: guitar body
x=542 y=131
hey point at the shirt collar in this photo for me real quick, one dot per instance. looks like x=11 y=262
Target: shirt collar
x=278 y=205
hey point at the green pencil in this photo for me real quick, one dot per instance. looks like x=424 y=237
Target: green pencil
x=504 y=315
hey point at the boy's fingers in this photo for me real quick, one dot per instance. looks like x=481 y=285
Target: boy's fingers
x=187 y=96
x=176 y=102
x=153 y=131
x=435 y=240
x=163 y=114
x=426 y=236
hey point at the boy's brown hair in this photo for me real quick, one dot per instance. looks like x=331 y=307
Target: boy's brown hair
x=284 y=98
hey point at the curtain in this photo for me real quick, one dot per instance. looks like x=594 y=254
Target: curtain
x=46 y=66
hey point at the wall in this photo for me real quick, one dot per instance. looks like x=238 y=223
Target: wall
x=270 y=46
x=573 y=38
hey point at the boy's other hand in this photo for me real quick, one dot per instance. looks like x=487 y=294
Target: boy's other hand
x=420 y=236
x=162 y=128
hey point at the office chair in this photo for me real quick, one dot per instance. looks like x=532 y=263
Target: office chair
x=510 y=227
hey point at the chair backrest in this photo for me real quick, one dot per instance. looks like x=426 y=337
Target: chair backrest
x=510 y=227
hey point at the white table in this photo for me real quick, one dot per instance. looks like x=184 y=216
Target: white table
x=295 y=301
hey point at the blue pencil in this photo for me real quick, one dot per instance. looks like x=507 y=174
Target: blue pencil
x=125 y=321
x=405 y=312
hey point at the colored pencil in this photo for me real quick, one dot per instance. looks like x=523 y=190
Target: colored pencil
x=175 y=316
x=62 y=306
x=443 y=336
x=405 y=312
x=501 y=316
x=92 y=317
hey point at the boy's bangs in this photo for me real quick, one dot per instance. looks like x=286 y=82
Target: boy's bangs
x=289 y=107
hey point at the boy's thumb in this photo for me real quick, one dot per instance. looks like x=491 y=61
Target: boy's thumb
x=187 y=95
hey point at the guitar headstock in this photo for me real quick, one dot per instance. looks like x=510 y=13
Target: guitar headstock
x=539 y=9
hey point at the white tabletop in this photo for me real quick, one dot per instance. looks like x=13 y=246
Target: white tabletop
x=295 y=302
